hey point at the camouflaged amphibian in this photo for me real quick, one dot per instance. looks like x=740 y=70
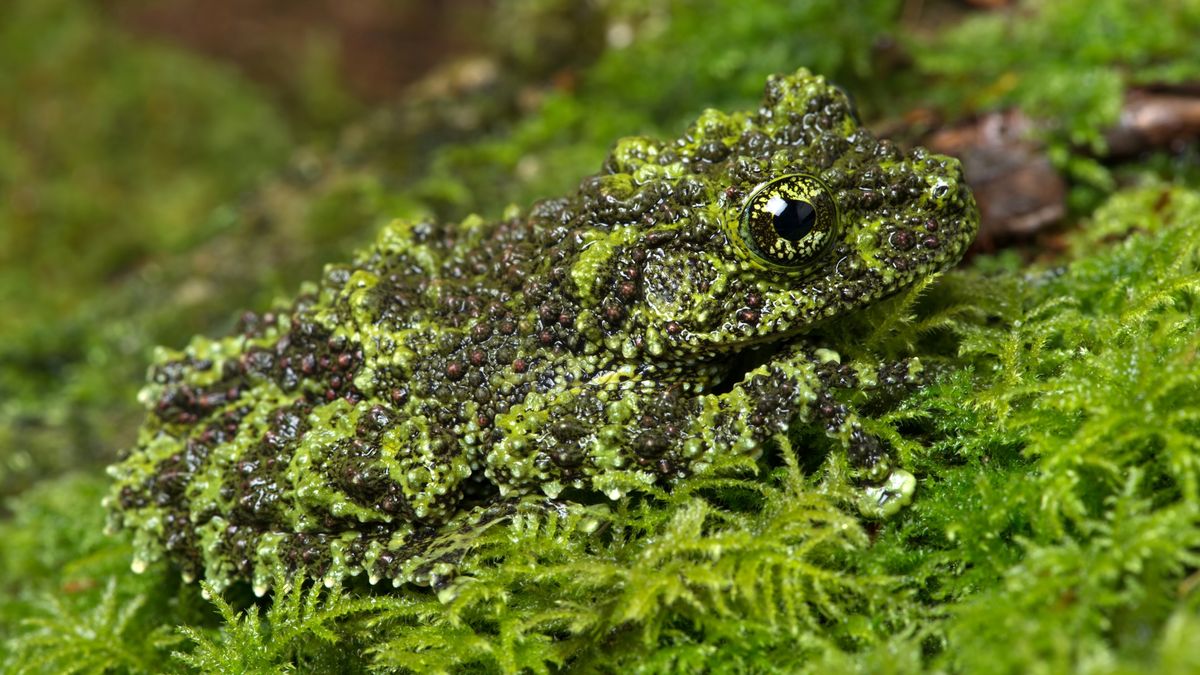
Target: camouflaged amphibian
x=454 y=374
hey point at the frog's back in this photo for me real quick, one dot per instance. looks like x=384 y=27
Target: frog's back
x=354 y=418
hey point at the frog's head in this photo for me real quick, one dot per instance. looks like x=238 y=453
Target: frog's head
x=753 y=227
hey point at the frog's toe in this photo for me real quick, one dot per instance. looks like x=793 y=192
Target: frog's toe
x=887 y=498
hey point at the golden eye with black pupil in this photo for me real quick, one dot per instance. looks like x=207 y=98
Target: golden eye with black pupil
x=789 y=221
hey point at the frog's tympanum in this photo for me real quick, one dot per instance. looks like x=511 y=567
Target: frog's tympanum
x=626 y=334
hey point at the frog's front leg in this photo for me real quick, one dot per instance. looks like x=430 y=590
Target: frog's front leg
x=616 y=435
x=808 y=385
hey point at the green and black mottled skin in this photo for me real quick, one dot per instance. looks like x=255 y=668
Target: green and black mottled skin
x=454 y=374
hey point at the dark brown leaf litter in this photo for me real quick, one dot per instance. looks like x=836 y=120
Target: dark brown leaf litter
x=1020 y=193
x=1018 y=190
x=1156 y=118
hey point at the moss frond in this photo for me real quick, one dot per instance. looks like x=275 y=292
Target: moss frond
x=305 y=627
x=64 y=638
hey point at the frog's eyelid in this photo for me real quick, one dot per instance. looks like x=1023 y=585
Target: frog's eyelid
x=761 y=187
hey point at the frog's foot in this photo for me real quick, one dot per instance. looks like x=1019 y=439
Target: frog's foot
x=813 y=386
x=886 y=488
x=887 y=498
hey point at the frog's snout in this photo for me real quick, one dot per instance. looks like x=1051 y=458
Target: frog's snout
x=951 y=196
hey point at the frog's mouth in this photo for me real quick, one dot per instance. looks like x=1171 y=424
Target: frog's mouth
x=755 y=350
x=743 y=361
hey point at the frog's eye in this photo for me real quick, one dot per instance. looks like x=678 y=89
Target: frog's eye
x=789 y=221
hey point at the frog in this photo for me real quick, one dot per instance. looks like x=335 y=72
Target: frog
x=626 y=336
